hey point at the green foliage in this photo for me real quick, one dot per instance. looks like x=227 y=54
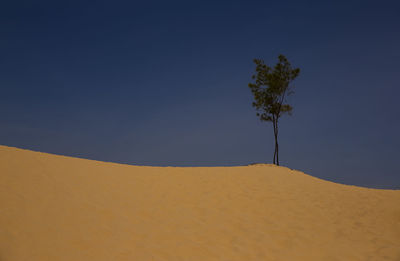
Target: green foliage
x=271 y=87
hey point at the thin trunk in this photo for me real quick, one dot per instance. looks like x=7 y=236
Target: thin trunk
x=276 y=151
x=273 y=122
x=276 y=145
x=276 y=127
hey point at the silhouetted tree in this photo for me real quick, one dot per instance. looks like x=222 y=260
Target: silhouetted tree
x=270 y=90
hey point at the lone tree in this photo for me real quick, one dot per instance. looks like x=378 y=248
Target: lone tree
x=270 y=90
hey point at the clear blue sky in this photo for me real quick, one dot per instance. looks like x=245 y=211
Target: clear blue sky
x=165 y=83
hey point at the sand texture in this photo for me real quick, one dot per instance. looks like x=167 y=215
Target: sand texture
x=62 y=208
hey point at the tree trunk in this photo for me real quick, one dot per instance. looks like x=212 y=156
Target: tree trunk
x=274 y=124
x=277 y=148
x=276 y=151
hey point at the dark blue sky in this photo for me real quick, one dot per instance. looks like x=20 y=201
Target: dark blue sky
x=165 y=83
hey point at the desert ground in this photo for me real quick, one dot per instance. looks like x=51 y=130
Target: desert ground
x=63 y=208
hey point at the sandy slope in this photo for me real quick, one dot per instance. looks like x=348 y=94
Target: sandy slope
x=62 y=208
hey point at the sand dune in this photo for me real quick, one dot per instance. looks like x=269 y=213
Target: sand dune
x=62 y=208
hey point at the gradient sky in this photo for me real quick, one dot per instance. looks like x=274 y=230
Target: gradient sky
x=165 y=83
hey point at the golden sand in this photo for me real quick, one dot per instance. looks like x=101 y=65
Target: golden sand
x=62 y=208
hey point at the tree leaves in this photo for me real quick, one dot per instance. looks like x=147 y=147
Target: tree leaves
x=271 y=87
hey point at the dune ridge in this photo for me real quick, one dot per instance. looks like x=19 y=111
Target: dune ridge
x=62 y=208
